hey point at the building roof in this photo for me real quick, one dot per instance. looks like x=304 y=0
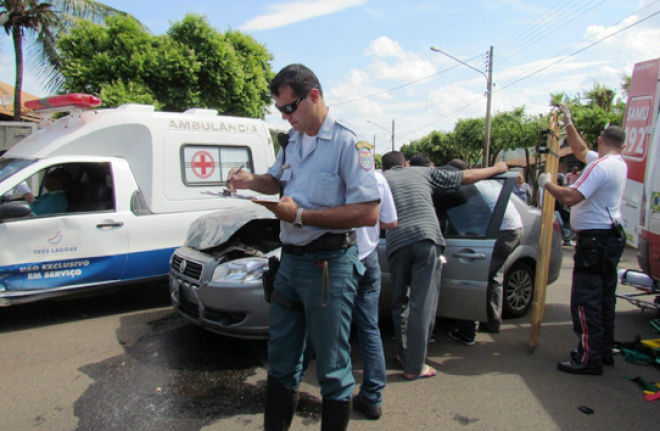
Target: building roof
x=7 y=107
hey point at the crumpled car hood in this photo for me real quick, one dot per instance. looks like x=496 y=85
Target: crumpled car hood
x=216 y=228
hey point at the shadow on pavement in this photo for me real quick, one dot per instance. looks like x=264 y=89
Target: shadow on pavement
x=102 y=302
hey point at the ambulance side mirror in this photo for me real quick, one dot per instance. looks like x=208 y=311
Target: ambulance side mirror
x=15 y=210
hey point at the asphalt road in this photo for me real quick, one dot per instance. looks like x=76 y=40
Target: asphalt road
x=125 y=361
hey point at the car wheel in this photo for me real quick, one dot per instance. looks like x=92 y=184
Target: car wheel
x=518 y=290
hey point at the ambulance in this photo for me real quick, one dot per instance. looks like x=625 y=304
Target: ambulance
x=641 y=201
x=132 y=180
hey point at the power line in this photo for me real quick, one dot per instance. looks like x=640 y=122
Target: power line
x=577 y=44
x=398 y=87
x=502 y=87
x=455 y=111
x=544 y=33
x=521 y=34
x=576 y=52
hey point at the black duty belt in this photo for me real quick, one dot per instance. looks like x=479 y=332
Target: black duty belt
x=327 y=242
x=596 y=232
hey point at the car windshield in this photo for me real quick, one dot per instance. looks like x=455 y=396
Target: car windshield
x=9 y=166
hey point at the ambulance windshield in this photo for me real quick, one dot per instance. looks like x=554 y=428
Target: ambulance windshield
x=9 y=166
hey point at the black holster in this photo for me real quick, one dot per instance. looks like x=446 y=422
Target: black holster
x=268 y=278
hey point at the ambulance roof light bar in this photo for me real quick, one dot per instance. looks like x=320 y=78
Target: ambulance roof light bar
x=72 y=103
x=64 y=102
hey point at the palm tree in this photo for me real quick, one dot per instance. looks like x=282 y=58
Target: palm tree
x=39 y=23
x=601 y=96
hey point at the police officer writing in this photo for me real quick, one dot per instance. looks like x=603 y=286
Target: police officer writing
x=595 y=199
x=328 y=188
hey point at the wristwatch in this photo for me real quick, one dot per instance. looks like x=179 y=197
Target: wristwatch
x=298 y=221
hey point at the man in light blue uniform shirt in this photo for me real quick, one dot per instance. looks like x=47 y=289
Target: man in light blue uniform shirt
x=326 y=175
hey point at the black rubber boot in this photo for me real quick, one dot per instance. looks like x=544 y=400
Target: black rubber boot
x=336 y=415
x=280 y=406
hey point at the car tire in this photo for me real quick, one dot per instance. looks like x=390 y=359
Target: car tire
x=518 y=290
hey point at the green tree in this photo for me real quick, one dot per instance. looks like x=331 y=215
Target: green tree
x=378 y=160
x=117 y=93
x=516 y=130
x=508 y=132
x=236 y=71
x=122 y=63
x=591 y=113
x=40 y=23
x=468 y=139
x=441 y=147
x=191 y=66
x=600 y=96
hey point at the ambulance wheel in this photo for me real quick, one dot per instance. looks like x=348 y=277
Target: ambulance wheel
x=518 y=290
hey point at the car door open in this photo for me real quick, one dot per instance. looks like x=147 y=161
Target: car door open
x=470 y=223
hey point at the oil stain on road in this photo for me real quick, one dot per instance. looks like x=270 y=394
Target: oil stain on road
x=174 y=376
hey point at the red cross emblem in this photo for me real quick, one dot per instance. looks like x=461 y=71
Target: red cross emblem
x=202 y=164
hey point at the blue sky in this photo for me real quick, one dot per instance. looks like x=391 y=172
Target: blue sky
x=374 y=60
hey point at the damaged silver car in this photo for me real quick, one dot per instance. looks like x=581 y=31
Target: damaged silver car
x=216 y=278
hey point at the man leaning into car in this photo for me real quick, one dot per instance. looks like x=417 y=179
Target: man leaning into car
x=413 y=251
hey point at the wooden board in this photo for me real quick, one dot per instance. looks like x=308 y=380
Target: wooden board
x=545 y=239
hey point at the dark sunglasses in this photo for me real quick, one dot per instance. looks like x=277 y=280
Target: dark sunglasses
x=291 y=107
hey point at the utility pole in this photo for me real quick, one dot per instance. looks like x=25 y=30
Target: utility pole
x=489 y=94
x=384 y=128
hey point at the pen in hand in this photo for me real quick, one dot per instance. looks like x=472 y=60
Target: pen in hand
x=230 y=179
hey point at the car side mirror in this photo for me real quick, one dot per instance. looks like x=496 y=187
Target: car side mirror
x=15 y=210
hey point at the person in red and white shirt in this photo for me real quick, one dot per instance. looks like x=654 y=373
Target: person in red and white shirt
x=595 y=199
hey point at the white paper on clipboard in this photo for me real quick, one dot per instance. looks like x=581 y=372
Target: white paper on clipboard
x=258 y=198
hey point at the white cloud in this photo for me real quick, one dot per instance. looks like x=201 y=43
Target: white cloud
x=406 y=66
x=386 y=47
x=445 y=101
x=403 y=71
x=283 y=14
x=634 y=41
x=355 y=87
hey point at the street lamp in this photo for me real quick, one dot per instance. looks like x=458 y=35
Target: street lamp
x=489 y=93
x=378 y=125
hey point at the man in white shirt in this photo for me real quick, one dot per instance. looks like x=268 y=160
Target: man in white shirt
x=595 y=199
x=365 y=311
x=507 y=240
